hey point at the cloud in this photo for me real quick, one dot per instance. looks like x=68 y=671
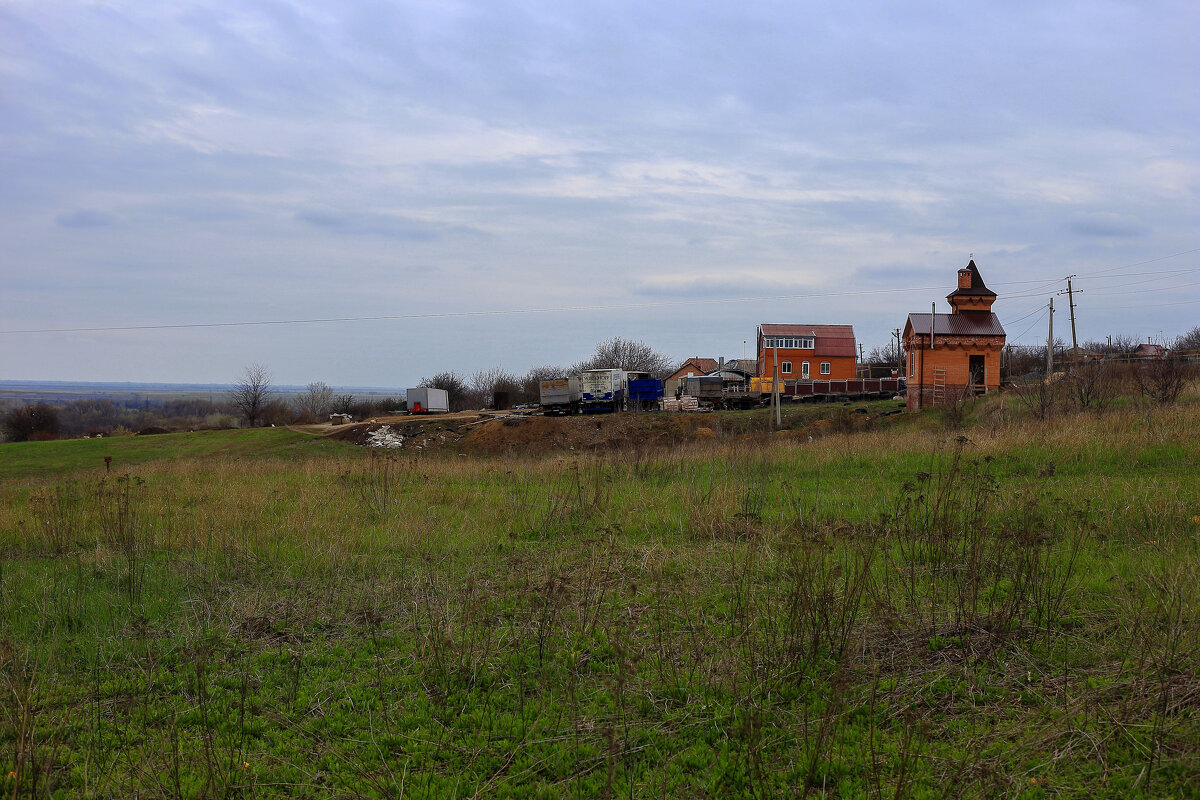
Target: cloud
x=365 y=224
x=1103 y=225
x=85 y=218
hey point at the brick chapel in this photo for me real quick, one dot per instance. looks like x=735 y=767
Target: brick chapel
x=957 y=354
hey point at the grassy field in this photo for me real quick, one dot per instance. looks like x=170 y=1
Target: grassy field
x=1009 y=608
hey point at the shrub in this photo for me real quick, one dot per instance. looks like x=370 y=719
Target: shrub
x=33 y=422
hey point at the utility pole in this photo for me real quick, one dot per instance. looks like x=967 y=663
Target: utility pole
x=1070 y=293
x=860 y=360
x=932 y=321
x=1050 y=342
x=899 y=359
x=775 y=387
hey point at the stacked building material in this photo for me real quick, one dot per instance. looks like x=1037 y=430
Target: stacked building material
x=684 y=403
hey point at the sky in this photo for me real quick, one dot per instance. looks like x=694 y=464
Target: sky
x=508 y=183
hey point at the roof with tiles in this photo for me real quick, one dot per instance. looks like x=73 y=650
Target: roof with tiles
x=831 y=340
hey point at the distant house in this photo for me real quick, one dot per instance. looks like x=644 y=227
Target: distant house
x=1149 y=350
x=694 y=367
x=953 y=354
x=806 y=352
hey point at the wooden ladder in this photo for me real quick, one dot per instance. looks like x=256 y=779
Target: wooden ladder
x=939 y=385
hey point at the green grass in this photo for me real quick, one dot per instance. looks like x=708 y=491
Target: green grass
x=67 y=457
x=1010 y=609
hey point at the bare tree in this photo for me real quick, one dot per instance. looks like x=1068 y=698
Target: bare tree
x=1189 y=342
x=1163 y=379
x=618 y=353
x=1093 y=384
x=251 y=391
x=1039 y=395
x=486 y=382
x=316 y=402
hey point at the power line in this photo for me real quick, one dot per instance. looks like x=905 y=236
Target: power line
x=1026 y=316
x=1035 y=323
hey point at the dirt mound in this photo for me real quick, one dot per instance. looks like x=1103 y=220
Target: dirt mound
x=154 y=430
x=530 y=435
x=533 y=435
x=411 y=435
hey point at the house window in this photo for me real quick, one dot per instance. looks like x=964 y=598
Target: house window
x=824 y=367
x=786 y=368
x=912 y=363
x=789 y=342
x=804 y=370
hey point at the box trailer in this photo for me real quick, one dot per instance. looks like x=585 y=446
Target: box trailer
x=644 y=393
x=422 y=400
x=560 y=396
x=603 y=390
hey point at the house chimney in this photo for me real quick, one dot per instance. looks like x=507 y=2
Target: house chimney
x=964 y=279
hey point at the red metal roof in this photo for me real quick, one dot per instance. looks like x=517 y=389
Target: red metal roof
x=831 y=340
x=968 y=324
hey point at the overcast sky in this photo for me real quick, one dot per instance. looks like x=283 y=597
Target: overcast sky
x=166 y=163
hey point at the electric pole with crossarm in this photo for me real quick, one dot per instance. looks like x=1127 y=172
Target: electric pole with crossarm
x=1070 y=293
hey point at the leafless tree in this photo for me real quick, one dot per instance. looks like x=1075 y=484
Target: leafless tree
x=1118 y=344
x=1093 y=384
x=251 y=392
x=484 y=384
x=316 y=402
x=1188 y=342
x=1038 y=394
x=1163 y=379
x=619 y=353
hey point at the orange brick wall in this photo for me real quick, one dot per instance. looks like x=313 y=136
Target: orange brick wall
x=840 y=367
x=956 y=362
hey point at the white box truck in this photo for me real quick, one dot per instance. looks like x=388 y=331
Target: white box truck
x=559 y=396
x=423 y=400
x=603 y=390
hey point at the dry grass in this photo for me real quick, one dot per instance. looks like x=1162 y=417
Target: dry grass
x=1010 y=609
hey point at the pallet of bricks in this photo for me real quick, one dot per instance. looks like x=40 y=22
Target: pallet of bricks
x=682 y=404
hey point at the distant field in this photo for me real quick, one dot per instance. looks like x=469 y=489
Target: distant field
x=86 y=456
x=911 y=607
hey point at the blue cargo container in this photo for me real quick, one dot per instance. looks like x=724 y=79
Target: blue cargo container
x=645 y=393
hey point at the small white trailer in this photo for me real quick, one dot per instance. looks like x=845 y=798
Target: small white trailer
x=423 y=400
